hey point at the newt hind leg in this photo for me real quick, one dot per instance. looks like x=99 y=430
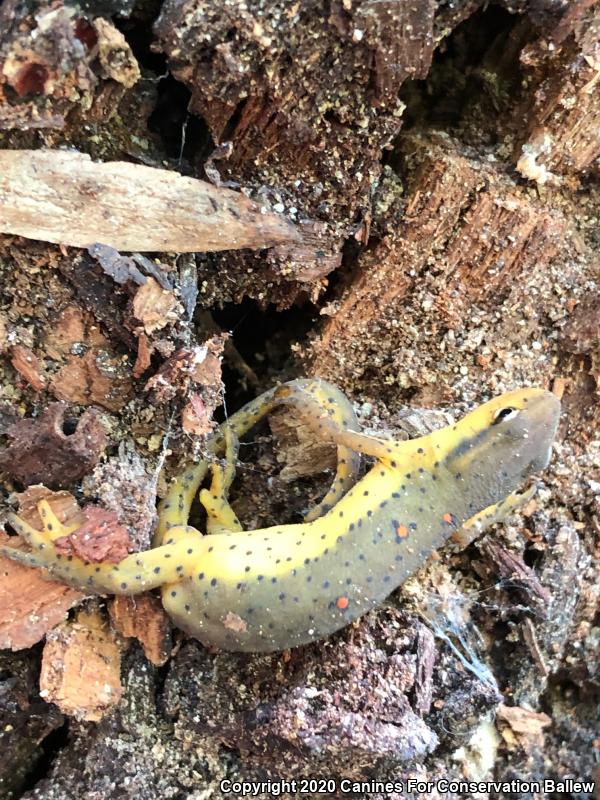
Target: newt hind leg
x=221 y=518
x=134 y=574
x=52 y=527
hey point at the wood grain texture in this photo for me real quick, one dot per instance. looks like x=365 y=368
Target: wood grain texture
x=66 y=198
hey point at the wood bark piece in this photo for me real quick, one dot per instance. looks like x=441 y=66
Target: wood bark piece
x=426 y=654
x=522 y=726
x=81 y=668
x=28 y=366
x=154 y=306
x=66 y=198
x=89 y=370
x=100 y=539
x=297 y=450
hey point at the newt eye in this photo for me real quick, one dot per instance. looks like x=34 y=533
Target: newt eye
x=504 y=413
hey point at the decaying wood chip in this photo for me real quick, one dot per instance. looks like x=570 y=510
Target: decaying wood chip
x=521 y=726
x=114 y=54
x=91 y=372
x=143 y=618
x=30 y=604
x=426 y=653
x=559 y=386
x=195 y=418
x=315 y=257
x=142 y=361
x=81 y=668
x=155 y=307
x=66 y=198
x=530 y=639
x=73 y=330
x=41 y=452
x=97 y=377
x=62 y=503
x=298 y=451
x=28 y=366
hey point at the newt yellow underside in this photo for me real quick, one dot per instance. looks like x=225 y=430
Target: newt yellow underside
x=278 y=587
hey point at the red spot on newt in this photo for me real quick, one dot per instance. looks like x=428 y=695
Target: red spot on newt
x=342 y=602
x=448 y=518
x=401 y=531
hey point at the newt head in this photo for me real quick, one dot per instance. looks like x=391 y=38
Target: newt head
x=499 y=444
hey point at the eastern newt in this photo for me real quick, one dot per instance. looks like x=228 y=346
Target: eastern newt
x=282 y=586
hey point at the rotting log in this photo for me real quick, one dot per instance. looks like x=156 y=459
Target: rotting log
x=473 y=280
x=464 y=273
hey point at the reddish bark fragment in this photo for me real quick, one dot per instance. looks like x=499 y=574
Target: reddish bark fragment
x=142 y=362
x=28 y=366
x=98 y=377
x=155 y=307
x=194 y=417
x=101 y=538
